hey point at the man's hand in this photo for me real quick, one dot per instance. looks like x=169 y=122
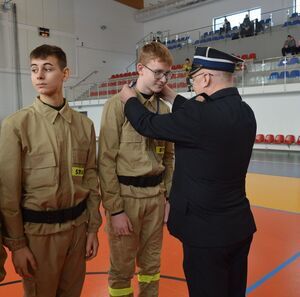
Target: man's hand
x=167 y=211
x=121 y=224
x=168 y=94
x=24 y=262
x=126 y=93
x=92 y=245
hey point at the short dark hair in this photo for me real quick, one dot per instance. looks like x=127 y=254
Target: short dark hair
x=46 y=50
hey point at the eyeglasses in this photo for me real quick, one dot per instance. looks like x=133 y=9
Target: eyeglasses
x=158 y=74
x=192 y=78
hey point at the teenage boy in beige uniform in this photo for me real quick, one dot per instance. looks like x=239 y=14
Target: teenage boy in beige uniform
x=2 y=257
x=135 y=177
x=49 y=187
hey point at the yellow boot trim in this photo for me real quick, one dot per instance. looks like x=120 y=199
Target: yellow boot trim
x=148 y=278
x=120 y=292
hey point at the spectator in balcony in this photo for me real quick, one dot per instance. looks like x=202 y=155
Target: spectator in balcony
x=187 y=66
x=226 y=26
x=258 y=26
x=289 y=46
x=298 y=47
x=246 y=28
x=156 y=39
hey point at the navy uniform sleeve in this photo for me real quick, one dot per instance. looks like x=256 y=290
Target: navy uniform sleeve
x=178 y=102
x=175 y=127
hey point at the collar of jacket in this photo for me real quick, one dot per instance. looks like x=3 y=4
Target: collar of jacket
x=224 y=93
x=152 y=100
x=50 y=113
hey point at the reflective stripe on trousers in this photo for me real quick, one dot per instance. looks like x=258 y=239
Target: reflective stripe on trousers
x=148 y=278
x=120 y=292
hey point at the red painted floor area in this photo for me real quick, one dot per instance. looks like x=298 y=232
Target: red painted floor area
x=277 y=240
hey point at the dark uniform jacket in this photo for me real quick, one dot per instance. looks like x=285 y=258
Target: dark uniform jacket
x=213 y=145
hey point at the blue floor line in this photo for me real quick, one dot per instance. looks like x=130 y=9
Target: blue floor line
x=272 y=273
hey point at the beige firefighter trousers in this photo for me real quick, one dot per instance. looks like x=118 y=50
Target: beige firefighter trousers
x=61 y=264
x=142 y=247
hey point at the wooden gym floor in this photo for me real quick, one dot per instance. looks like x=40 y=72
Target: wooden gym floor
x=273 y=187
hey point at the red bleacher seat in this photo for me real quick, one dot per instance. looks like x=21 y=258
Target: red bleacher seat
x=102 y=93
x=252 y=56
x=260 y=138
x=279 y=139
x=269 y=138
x=298 y=140
x=122 y=82
x=178 y=75
x=93 y=94
x=245 y=57
x=289 y=139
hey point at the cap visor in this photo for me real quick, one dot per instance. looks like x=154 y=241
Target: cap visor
x=194 y=69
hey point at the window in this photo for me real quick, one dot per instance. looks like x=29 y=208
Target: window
x=297 y=5
x=236 y=19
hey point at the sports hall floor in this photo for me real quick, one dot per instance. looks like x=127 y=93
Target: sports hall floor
x=273 y=186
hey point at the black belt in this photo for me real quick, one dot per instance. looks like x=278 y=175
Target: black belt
x=54 y=216
x=141 y=181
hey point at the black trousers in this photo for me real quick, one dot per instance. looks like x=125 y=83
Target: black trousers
x=217 y=271
x=287 y=50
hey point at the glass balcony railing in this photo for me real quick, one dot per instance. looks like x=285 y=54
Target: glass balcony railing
x=263 y=74
x=273 y=71
x=266 y=22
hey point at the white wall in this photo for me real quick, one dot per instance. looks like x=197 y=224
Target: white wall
x=115 y=44
x=94 y=111
x=56 y=15
x=276 y=113
x=75 y=26
x=202 y=16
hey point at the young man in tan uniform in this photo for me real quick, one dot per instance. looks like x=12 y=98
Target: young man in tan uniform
x=2 y=257
x=135 y=177
x=49 y=196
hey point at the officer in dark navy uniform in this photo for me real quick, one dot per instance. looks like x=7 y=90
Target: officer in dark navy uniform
x=213 y=134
